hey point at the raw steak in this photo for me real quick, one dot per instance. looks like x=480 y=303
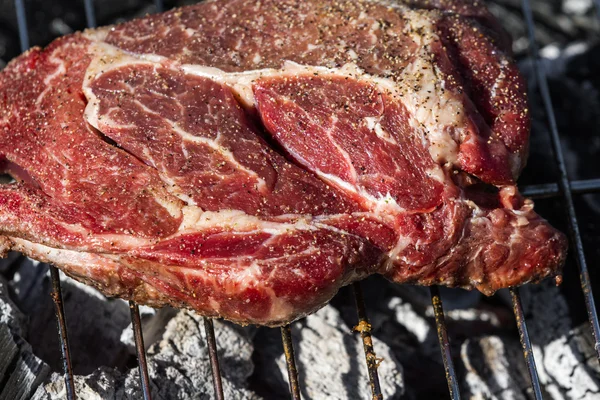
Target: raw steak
x=248 y=158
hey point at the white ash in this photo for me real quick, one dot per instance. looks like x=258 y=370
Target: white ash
x=330 y=360
x=577 y=7
x=491 y=371
x=20 y=370
x=94 y=332
x=565 y=357
x=402 y=319
x=178 y=366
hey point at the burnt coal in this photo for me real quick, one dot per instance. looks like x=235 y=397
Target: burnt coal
x=20 y=370
x=330 y=360
x=178 y=364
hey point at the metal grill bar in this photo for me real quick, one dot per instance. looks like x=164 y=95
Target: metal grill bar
x=597 y=4
x=563 y=182
x=22 y=25
x=364 y=327
x=440 y=322
x=140 y=350
x=62 y=333
x=214 y=358
x=526 y=343
x=159 y=5
x=288 y=349
x=90 y=13
x=549 y=190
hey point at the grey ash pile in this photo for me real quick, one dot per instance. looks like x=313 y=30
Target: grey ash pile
x=330 y=357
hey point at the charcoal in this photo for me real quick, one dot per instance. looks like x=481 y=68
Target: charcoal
x=178 y=366
x=565 y=356
x=105 y=383
x=330 y=360
x=577 y=7
x=180 y=360
x=48 y=20
x=491 y=371
x=557 y=22
x=95 y=323
x=10 y=316
x=20 y=370
x=154 y=323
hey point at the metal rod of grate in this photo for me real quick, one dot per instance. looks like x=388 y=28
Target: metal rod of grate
x=563 y=182
x=550 y=190
x=22 y=24
x=214 y=358
x=62 y=332
x=442 y=332
x=526 y=343
x=440 y=322
x=290 y=359
x=90 y=13
x=364 y=327
x=140 y=350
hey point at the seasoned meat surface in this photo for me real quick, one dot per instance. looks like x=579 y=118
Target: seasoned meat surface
x=248 y=158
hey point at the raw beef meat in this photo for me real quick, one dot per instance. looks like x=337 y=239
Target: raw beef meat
x=248 y=158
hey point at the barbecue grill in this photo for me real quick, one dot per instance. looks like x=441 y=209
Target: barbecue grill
x=564 y=188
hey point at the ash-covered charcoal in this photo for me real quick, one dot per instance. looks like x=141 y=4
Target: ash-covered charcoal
x=20 y=370
x=493 y=369
x=408 y=327
x=102 y=346
x=95 y=323
x=330 y=360
x=564 y=352
x=558 y=22
x=565 y=356
x=178 y=365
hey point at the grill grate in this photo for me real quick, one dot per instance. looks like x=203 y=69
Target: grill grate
x=564 y=184
x=440 y=322
x=214 y=359
x=526 y=343
x=552 y=189
x=564 y=189
x=90 y=13
x=290 y=359
x=364 y=327
x=62 y=331
x=139 y=349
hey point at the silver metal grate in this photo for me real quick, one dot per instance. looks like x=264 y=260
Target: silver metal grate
x=564 y=188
